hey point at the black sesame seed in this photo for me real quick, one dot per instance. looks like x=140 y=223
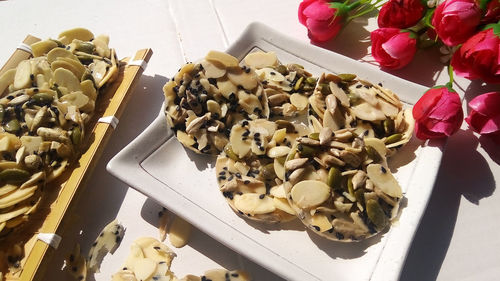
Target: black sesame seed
x=383 y=170
x=359 y=86
x=316 y=227
x=262 y=196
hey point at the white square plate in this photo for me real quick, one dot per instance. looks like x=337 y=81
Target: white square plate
x=184 y=182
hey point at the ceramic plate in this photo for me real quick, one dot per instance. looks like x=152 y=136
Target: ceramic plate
x=156 y=164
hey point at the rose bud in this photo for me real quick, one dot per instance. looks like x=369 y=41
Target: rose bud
x=392 y=47
x=479 y=57
x=323 y=20
x=491 y=10
x=401 y=13
x=456 y=20
x=484 y=117
x=438 y=113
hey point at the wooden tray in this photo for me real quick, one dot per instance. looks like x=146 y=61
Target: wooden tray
x=62 y=193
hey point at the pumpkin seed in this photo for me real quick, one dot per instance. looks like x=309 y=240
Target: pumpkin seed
x=334 y=178
x=388 y=126
x=267 y=171
x=347 y=76
x=12 y=126
x=85 y=47
x=314 y=136
x=306 y=150
x=373 y=154
x=311 y=80
x=376 y=214
x=393 y=138
x=42 y=98
x=298 y=84
x=282 y=69
x=76 y=136
x=2 y=113
x=14 y=175
x=230 y=153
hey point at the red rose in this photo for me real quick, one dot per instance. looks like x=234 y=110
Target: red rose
x=479 y=57
x=491 y=11
x=400 y=13
x=323 y=22
x=456 y=20
x=438 y=113
x=484 y=117
x=393 y=48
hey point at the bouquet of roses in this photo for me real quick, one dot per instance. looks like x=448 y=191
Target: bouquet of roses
x=468 y=30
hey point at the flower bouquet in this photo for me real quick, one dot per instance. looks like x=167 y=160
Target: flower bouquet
x=466 y=31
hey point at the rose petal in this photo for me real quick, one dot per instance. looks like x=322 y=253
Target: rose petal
x=491 y=126
x=487 y=104
x=319 y=10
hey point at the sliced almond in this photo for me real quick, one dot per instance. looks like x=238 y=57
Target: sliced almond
x=213 y=70
x=55 y=53
x=278 y=151
x=76 y=33
x=340 y=94
x=310 y=193
x=66 y=78
x=282 y=204
x=367 y=112
x=40 y=48
x=22 y=77
x=179 y=232
x=246 y=80
x=254 y=203
x=279 y=167
x=261 y=59
x=223 y=58
x=383 y=179
x=321 y=223
x=299 y=101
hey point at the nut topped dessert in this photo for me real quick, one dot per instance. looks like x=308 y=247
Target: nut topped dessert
x=205 y=99
x=250 y=171
x=340 y=186
x=331 y=173
x=46 y=103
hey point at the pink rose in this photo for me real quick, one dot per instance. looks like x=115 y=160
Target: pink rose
x=400 y=13
x=438 y=113
x=479 y=57
x=393 y=48
x=456 y=20
x=491 y=11
x=323 y=22
x=484 y=117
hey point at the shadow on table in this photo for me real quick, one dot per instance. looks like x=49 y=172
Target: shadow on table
x=204 y=244
x=463 y=172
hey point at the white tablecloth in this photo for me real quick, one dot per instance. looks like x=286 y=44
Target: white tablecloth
x=458 y=236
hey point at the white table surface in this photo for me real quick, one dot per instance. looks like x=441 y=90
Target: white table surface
x=458 y=236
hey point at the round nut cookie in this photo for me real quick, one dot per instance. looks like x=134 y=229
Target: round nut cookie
x=340 y=185
x=203 y=101
x=346 y=102
x=287 y=87
x=250 y=171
